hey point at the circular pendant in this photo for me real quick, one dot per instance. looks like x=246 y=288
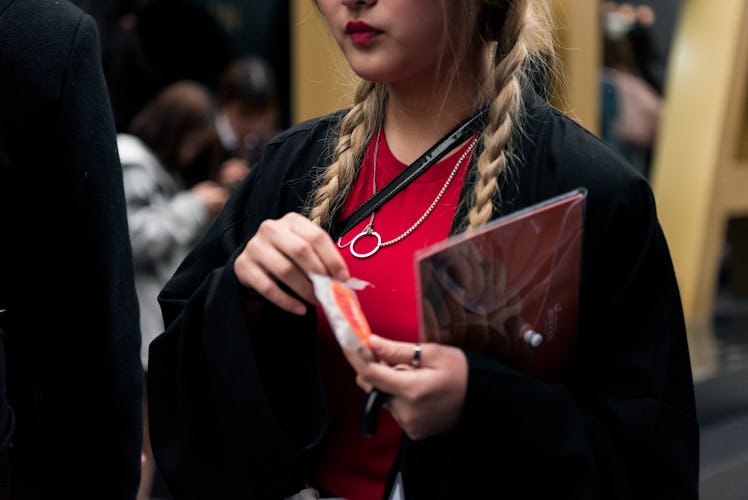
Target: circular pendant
x=367 y=232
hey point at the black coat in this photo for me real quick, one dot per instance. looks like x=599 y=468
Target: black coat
x=74 y=376
x=231 y=418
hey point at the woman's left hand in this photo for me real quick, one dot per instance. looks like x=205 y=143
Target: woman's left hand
x=427 y=399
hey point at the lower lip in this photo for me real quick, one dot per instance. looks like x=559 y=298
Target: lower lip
x=363 y=38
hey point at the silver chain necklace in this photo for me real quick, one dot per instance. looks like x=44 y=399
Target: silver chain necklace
x=369 y=229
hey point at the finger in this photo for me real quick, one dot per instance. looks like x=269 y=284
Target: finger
x=278 y=265
x=355 y=359
x=291 y=241
x=254 y=277
x=285 y=251
x=289 y=249
x=365 y=386
x=393 y=352
x=260 y=266
x=401 y=380
x=313 y=250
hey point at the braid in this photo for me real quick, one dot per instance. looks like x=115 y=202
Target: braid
x=511 y=55
x=356 y=129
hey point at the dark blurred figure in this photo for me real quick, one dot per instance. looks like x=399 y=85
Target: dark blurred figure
x=248 y=112
x=629 y=42
x=167 y=159
x=69 y=309
x=632 y=82
x=149 y=44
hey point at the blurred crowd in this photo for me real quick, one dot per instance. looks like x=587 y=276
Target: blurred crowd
x=193 y=113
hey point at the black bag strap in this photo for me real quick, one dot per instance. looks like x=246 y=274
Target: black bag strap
x=456 y=136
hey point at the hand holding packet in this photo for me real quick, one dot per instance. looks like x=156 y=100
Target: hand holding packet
x=340 y=303
x=343 y=310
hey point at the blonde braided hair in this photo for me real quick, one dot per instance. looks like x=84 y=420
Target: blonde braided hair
x=510 y=54
x=525 y=44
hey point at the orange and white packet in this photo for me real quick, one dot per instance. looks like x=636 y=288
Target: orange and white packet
x=343 y=310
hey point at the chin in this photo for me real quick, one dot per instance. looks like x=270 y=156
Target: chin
x=366 y=67
x=370 y=74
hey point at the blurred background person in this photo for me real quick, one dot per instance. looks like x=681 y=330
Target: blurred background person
x=69 y=309
x=629 y=41
x=632 y=82
x=248 y=111
x=248 y=115
x=168 y=158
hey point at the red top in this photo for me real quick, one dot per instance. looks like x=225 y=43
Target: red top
x=352 y=466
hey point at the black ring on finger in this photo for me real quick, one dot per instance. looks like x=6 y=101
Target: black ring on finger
x=416 y=360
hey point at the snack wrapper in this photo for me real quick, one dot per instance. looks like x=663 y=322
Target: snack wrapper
x=343 y=310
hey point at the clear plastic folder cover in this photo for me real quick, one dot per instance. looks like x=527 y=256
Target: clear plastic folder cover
x=509 y=289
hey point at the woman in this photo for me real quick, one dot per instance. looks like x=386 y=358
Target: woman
x=255 y=397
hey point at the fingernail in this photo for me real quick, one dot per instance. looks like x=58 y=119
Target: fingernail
x=342 y=275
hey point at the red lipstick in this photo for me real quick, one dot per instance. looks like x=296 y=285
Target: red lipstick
x=361 y=33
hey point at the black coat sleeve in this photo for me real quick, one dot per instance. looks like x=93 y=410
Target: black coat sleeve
x=227 y=419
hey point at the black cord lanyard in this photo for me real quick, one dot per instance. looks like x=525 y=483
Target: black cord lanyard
x=377 y=398
x=456 y=136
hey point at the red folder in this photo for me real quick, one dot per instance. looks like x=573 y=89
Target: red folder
x=509 y=289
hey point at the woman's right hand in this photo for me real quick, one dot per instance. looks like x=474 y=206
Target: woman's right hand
x=285 y=251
